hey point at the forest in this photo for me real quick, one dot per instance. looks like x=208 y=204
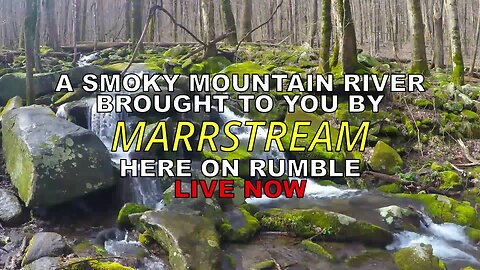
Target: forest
x=67 y=203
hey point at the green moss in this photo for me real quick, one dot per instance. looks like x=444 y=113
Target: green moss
x=323 y=225
x=251 y=208
x=417 y=258
x=391 y=188
x=90 y=264
x=145 y=239
x=317 y=249
x=128 y=209
x=423 y=103
x=436 y=167
x=474 y=235
x=385 y=159
x=443 y=209
x=450 y=180
x=368 y=257
x=266 y=265
x=470 y=115
x=242 y=233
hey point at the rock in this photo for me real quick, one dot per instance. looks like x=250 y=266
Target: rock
x=50 y=160
x=77 y=112
x=324 y=225
x=13 y=103
x=10 y=208
x=418 y=257
x=45 y=244
x=245 y=68
x=391 y=188
x=45 y=263
x=400 y=218
x=385 y=159
x=265 y=265
x=473 y=234
x=128 y=209
x=239 y=226
x=443 y=209
x=317 y=249
x=91 y=264
x=191 y=241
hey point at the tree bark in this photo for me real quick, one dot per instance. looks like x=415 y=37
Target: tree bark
x=137 y=14
x=456 y=45
x=326 y=36
x=75 y=27
x=419 y=61
x=314 y=29
x=247 y=20
x=439 y=55
x=30 y=28
x=208 y=13
x=38 y=60
x=52 y=30
x=229 y=21
x=347 y=42
x=477 y=43
x=152 y=24
x=128 y=19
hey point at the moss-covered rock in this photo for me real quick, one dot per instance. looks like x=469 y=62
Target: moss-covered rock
x=391 y=188
x=265 y=265
x=443 y=209
x=128 y=209
x=324 y=225
x=317 y=249
x=385 y=159
x=13 y=103
x=238 y=226
x=245 y=68
x=92 y=264
x=191 y=241
x=450 y=180
x=399 y=218
x=418 y=257
x=50 y=160
x=473 y=234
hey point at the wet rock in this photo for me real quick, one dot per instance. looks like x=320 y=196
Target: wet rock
x=77 y=112
x=444 y=209
x=238 y=226
x=10 y=208
x=324 y=225
x=400 y=218
x=45 y=244
x=385 y=159
x=317 y=249
x=417 y=257
x=45 y=263
x=128 y=209
x=191 y=241
x=50 y=160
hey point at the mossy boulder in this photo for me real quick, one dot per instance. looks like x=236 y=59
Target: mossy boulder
x=317 y=249
x=391 y=188
x=13 y=103
x=176 y=51
x=50 y=160
x=324 y=225
x=93 y=264
x=418 y=257
x=45 y=244
x=191 y=241
x=399 y=218
x=239 y=226
x=385 y=159
x=444 y=209
x=265 y=265
x=128 y=209
x=245 y=68
x=473 y=234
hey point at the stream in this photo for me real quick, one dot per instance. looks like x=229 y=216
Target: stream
x=449 y=241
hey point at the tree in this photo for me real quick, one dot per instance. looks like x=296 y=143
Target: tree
x=31 y=9
x=229 y=21
x=347 y=41
x=76 y=28
x=137 y=16
x=208 y=18
x=128 y=19
x=314 y=28
x=456 y=45
x=51 y=21
x=326 y=36
x=476 y=44
x=38 y=60
x=438 y=53
x=419 y=61
x=247 y=20
x=152 y=23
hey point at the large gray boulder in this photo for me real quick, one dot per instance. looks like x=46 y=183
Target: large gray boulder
x=45 y=244
x=10 y=208
x=191 y=241
x=51 y=160
x=14 y=84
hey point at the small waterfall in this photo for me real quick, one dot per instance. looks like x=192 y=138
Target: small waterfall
x=87 y=59
x=449 y=241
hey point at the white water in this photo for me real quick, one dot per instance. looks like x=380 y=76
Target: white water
x=61 y=113
x=449 y=241
x=85 y=60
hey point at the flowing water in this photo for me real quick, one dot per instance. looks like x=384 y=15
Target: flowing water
x=449 y=241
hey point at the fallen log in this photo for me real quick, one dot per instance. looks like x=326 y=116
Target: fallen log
x=89 y=47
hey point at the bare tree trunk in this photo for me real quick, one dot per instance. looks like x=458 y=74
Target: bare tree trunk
x=208 y=13
x=52 y=30
x=38 y=60
x=101 y=19
x=137 y=14
x=229 y=21
x=347 y=40
x=75 y=26
x=247 y=20
x=326 y=36
x=477 y=43
x=439 y=55
x=128 y=19
x=30 y=28
x=456 y=45
x=83 y=35
x=152 y=24
x=314 y=29
x=419 y=61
